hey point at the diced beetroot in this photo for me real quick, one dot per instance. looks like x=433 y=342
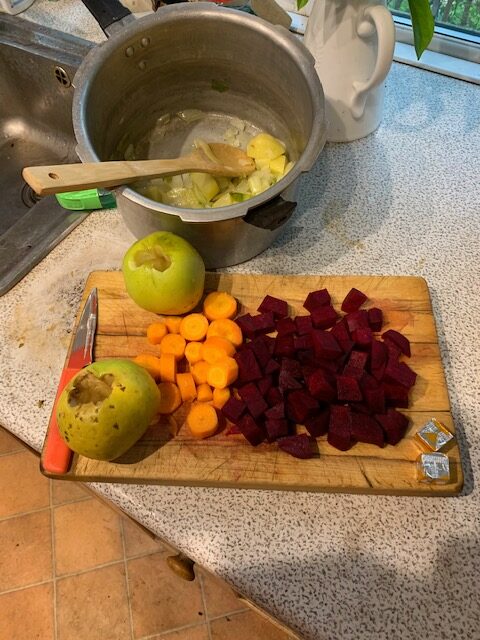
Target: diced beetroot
x=375 y=318
x=284 y=346
x=278 y=307
x=356 y=364
x=357 y=320
x=348 y=389
x=300 y=446
x=246 y=325
x=308 y=369
x=402 y=342
x=253 y=399
x=274 y=396
x=252 y=431
x=324 y=317
x=269 y=343
x=320 y=386
x=360 y=407
x=399 y=372
x=264 y=385
x=366 y=429
x=276 y=428
x=317 y=299
x=353 y=300
x=340 y=427
x=394 y=424
x=324 y=345
x=378 y=353
x=248 y=369
x=286 y=381
x=300 y=405
x=317 y=425
x=393 y=352
x=375 y=399
x=233 y=430
x=260 y=349
x=292 y=367
x=342 y=336
x=378 y=372
x=303 y=324
x=263 y=323
x=307 y=357
x=302 y=343
x=233 y=409
x=285 y=326
x=332 y=366
x=367 y=381
x=362 y=337
x=271 y=367
x=276 y=412
x=396 y=395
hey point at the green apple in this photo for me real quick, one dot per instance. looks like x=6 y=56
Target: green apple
x=163 y=273
x=106 y=408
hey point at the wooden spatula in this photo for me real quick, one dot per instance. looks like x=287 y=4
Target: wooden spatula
x=224 y=160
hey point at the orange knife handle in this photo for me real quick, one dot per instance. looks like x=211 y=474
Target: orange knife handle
x=56 y=454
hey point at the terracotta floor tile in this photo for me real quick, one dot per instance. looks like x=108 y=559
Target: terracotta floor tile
x=246 y=625
x=26 y=550
x=93 y=605
x=87 y=534
x=8 y=443
x=27 y=614
x=160 y=600
x=137 y=541
x=22 y=486
x=219 y=597
x=63 y=491
x=191 y=633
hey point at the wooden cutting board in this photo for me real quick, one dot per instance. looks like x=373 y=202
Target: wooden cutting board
x=167 y=455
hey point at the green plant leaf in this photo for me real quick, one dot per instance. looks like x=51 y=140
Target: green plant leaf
x=422 y=24
x=301 y=3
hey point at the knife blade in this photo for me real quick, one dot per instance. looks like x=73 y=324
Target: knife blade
x=57 y=455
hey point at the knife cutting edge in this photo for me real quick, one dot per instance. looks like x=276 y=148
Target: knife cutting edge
x=57 y=455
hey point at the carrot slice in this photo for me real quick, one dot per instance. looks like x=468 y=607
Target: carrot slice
x=173 y=323
x=151 y=363
x=216 y=348
x=199 y=371
x=186 y=384
x=226 y=328
x=194 y=326
x=170 y=398
x=173 y=343
x=220 y=397
x=156 y=332
x=202 y=420
x=193 y=352
x=168 y=367
x=222 y=373
x=204 y=393
x=218 y=305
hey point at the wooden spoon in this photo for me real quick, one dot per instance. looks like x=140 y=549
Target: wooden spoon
x=225 y=161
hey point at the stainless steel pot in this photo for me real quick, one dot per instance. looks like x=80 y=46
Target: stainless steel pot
x=221 y=61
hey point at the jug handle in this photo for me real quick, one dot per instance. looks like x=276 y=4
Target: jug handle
x=377 y=18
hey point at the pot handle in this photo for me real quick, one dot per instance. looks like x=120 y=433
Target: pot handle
x=108 y=13
x=271 y=215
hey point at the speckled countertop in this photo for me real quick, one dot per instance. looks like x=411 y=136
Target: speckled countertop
x=402 y=201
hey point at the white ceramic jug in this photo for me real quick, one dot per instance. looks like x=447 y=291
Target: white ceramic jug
x=352 y=42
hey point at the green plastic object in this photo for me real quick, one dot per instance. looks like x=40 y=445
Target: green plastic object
x=87 y=200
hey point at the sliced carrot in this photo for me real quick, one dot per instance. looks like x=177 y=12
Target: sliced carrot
x=173 y=343
x=170 y=398
x=173 y=323
x=168 y=367
x=151 y=363
x=220 y=396
x=156 y=332
x=186 y=384
x=204 y=393
x=222 y=373
x=199 y=371
x=226 y=328
x=202 y=420
x=193 y=352
x=218 y=305
x=217 y=348
x=194 y=326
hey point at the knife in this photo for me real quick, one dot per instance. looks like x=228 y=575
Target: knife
x=56 y=454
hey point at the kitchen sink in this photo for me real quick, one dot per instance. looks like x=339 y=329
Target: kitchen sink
x=37 y=67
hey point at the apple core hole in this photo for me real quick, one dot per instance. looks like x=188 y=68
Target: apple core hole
x=90 y=389
x=154 y=258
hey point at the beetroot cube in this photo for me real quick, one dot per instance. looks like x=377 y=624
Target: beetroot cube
x=287 y=381
x=375 y=399
x=276 y=412
x=320 y=386
x=303 y=343
x=269 y=343
x=340 y=427
x=324 y=317
x=232 y=430
x=367 y=381
x=396 y=395
x=271 y=367
x=260 y=349
x=274 y=396
x=342 y=336
x=399 y=372
x=278 y=307
x=357 y=320
x=324 y=345
x=300 y=405
x=308 y=369
x=292 y=367
x=248 y=369
x=284 y=346
x=377 y=373
x=263 y=323
x=360 y=407
x=233 y=409
x=400 y=341
x=299 y=446
x=366 y=429
x=356 y=364
x=253 y=399
x=394 y=424
x=264 y=385
x=362 y=337
x=303 y=324
x=307 y=357
x=348 y=389
x=252 y=431
x=378 y=352
x=285 y=326
x=276 y=428
x=375 y=318
x=317 y=425
x=246 y=325
x=353 y=300
x=317 y=299
x=332 y=366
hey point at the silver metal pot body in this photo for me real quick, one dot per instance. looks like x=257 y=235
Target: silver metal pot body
x=201 y=56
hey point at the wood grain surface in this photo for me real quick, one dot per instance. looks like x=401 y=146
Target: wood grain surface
x=168 y=455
